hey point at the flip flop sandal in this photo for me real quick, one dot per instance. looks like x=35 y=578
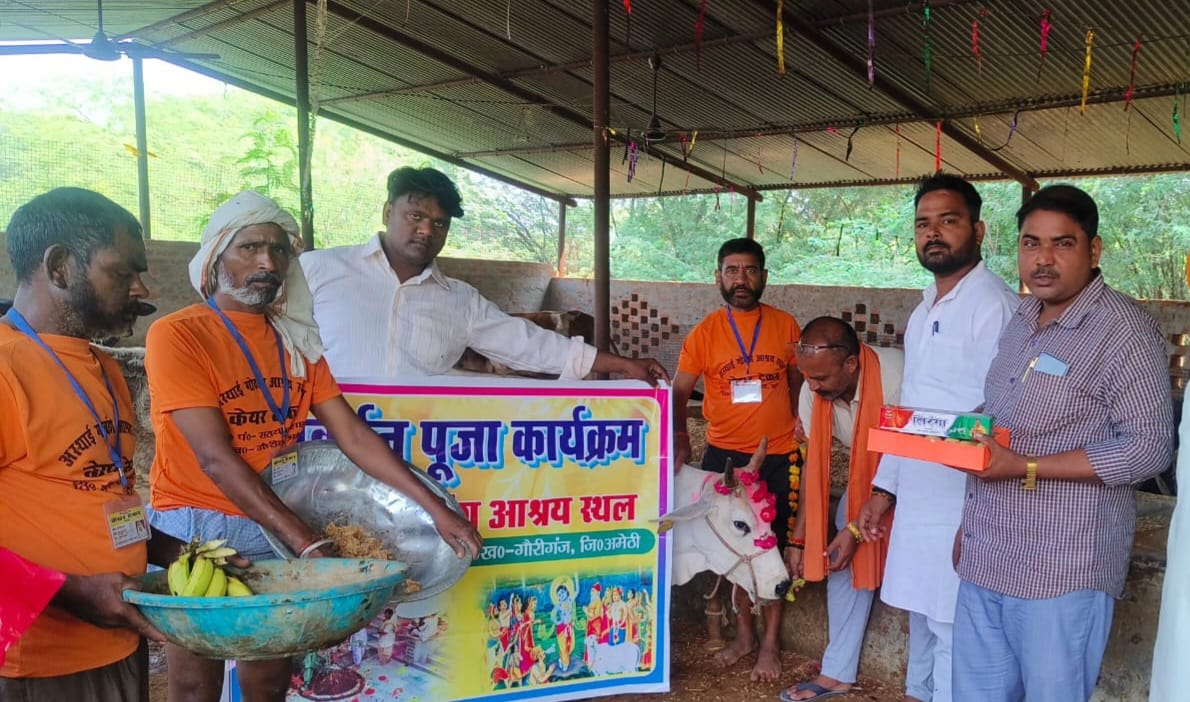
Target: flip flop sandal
x=820 y=692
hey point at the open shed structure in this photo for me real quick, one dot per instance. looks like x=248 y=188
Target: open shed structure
x=655 y=97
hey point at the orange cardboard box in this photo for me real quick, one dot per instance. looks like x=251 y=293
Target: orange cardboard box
x=963 y=454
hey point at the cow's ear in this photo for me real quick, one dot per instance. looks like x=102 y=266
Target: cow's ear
x=684 y=514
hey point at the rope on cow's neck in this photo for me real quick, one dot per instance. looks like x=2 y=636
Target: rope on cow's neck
x=741 y=559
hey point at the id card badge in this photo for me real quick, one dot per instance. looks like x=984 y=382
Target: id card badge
x=745 y=391
x=284 y=465
x=126 y=520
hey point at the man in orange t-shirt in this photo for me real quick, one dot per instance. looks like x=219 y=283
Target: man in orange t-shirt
x=66 y=447
x=232 y=381
x=744 y=353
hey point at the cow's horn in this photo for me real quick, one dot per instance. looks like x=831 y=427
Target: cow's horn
x=729 y=475
x=758 y=455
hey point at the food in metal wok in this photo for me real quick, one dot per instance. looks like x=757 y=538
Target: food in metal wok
x=327 y=488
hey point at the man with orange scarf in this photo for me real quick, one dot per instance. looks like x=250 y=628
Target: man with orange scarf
x=846 y=384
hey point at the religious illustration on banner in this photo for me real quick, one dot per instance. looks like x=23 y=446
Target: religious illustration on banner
x=569 y=598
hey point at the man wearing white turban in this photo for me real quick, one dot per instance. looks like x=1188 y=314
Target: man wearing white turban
x=232 y=381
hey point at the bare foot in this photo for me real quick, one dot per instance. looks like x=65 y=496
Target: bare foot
x=822 y=681
x=731 y=655
x=768 y=665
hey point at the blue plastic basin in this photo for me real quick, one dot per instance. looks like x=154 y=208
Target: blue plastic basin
x=300 y=605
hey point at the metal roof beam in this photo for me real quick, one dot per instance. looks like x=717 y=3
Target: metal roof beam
x=923 y=110
x=199 y=11
x=229 y=22
x=896 y=8
x=368 y=129
x=559 y=68
x=511 y=88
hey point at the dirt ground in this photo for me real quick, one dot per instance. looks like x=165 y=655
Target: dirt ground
x=694 y=676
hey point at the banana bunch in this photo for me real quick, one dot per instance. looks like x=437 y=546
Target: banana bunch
x=198 y=572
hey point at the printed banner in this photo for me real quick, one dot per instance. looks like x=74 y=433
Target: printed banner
x=569 y=598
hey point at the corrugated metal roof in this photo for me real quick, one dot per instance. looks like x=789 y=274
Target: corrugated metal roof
x=506 y=87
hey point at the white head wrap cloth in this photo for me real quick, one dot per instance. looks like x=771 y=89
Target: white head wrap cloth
x=292 y=313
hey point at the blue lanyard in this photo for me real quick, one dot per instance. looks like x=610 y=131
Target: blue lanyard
x=111 y=441
x=739 y=340
x=280 y=413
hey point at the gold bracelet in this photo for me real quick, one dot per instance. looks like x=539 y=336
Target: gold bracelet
x=1030 y=481
x=859 y=535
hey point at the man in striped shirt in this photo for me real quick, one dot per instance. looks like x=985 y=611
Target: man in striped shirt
x=1043 y=549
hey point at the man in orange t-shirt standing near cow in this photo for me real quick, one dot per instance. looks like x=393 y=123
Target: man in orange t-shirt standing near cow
x=745 y=354
x=232 y=381
x=68 y=511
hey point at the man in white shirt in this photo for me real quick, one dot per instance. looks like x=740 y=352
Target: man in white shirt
x=846 y=385
x=386 y=310
x=949 y=343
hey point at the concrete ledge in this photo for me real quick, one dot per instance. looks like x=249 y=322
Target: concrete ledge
x=1127 y=662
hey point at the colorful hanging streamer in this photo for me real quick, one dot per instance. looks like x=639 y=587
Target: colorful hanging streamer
x=978 y=130
x=793 y=159
x=898 y=130
x=717 y=205
x=627 y=22
x=698 y=27
x=693 y=138
x=633 y=157
x=938 y=147
x=925 y=23
x=1177 y=117
x=851 y=136
x=685 y=144
x=780 y=37
x=627 y=146
x=1011 y=131
x=1046 y=26
x=661 y=180
x=1132 y=74
x=871 y=45
x=975 y=52
x=1087 y=72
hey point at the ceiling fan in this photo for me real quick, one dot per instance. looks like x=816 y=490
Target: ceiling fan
x=654 y=132
x=101 y=47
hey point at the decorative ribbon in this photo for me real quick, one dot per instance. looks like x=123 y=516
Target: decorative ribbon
x=698 y=27
x=1087 y=71
x=925 y=23
x=793 y=159
x=938 y=146
x=871 y=45
x=1132 y=74
x=780 y=37
x=1046 y=26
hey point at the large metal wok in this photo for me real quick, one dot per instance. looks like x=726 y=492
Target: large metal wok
x=328 y=487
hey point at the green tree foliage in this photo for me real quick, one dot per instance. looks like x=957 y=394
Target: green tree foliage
x=205 y=148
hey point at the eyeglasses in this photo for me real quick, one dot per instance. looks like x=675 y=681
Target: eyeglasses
x=815 y=348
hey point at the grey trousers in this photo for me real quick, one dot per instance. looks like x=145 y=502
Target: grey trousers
x=125 y=680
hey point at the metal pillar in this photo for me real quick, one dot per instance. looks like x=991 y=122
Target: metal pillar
x=301 y=66
x=142 y=146
x=602 y=199
x=561 y=239
x=751 y=231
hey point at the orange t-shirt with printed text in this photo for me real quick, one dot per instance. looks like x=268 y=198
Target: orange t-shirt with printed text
x=712 y=351
x=192 y=360
x=56 y=475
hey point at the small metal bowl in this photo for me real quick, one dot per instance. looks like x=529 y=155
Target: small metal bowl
x=329 y=488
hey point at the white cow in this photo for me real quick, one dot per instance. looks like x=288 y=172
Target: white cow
x=717 y=527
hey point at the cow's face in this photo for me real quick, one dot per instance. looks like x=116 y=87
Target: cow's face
x=722 y=524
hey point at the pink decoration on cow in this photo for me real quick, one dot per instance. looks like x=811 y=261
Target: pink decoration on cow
x=722 y=489
x=766 y=542
x=768 y=514
x=746 y=477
